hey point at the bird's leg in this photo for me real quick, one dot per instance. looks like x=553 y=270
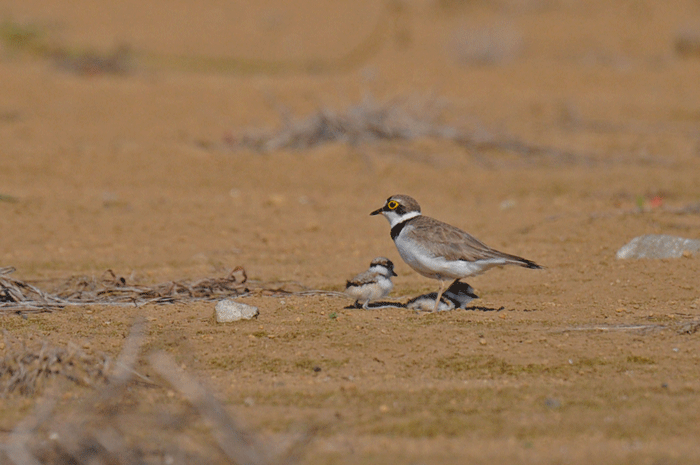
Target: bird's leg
x=442 y=289
x=439 y=295
x=366 y=304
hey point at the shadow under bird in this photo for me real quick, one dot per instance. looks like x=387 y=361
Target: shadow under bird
x=372 y=284
x=438 y=250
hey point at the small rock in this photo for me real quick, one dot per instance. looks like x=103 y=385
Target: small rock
x=229 y=310
x=507 y=204
x=688 y=328
x=552 y=403
x=658 y=246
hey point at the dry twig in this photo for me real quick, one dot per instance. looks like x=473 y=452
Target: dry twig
x=23 y=369
x=110 y=289
x=117 y=428
x=365 y=122
x=20 y=295
x=689 y=327
x=606 y=328
x=371 y=121
x=229 y=435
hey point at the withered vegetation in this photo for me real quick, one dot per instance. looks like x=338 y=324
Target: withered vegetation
x=118 y=426
x=400 y=119
x=111 y=289
x=25 y=368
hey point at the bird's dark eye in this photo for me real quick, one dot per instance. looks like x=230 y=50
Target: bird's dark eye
x=392 y=204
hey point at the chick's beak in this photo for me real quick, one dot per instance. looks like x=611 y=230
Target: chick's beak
x=393 y=273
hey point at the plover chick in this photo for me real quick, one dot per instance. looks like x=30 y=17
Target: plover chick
x=372 y=284
x=458 y=295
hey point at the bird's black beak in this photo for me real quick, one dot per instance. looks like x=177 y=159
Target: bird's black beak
x=377 y=211
x=393 y=273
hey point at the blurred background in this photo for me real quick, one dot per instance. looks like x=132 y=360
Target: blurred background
x=180 y=137
x=173 y=140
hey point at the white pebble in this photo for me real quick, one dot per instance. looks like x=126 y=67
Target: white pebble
x=229 y=310
x=658 y=246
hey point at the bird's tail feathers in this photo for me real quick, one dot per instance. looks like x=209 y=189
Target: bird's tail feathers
x=524 y=262
x=529 y=264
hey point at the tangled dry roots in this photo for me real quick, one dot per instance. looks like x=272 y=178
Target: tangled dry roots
x=120 y=424
x=25 y=369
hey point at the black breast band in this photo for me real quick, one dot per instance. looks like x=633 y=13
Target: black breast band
x=397 y=228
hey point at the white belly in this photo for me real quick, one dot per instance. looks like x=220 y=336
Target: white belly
x=431 y=266
x=370 y=292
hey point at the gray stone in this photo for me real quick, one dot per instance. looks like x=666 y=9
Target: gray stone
x=229 y=310
x=658 y=246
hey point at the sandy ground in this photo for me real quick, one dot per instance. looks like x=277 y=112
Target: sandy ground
x=132 y=173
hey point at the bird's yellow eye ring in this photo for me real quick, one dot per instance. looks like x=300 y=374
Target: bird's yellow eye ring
x=392 y=204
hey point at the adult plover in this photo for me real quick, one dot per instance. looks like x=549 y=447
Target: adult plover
x=372 y=284
x=438 y=250
x=458 y=295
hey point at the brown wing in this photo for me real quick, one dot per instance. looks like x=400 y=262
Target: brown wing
x=362 y=278
x=455 y=244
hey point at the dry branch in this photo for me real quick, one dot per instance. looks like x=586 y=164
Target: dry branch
x=23 y=369
x=610 y=328
x=365 y=122
x=687 y=327
x=228 y=434
x=18 y=294
x=372 y=121
x=111 y=289
x=690 y=327
x=114 y=426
